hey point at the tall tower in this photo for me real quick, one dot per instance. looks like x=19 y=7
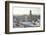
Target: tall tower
x=30 y=15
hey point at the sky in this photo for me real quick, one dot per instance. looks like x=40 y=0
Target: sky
x=26 y=10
